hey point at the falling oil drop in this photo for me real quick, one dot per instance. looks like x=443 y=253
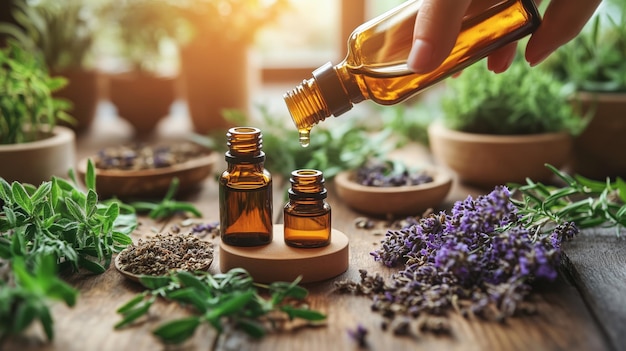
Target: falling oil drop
x=305 y=137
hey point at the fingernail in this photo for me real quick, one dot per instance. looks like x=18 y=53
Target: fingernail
x=539 y=58
x=420 y=56
x=503 y=67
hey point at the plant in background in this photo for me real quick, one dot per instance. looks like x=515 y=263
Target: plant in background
x=62 y=30
x=146 y=33
x=344 y=146
x=594 y=60
x=28 y=112
x=229 y=20
x=519 y=101
x=50 y=228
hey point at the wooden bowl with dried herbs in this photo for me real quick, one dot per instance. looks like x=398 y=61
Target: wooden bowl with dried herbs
x=389 y=188
x=159 y=255
x=146 y=171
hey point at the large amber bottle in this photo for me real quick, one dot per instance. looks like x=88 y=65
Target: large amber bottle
x=245 y=191
x=375 y=67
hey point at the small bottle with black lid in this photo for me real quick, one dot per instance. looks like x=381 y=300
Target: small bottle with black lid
x=245 y=191
x=307 y=215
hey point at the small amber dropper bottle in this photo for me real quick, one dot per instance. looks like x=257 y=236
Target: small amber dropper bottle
x=307 y=214
x=375 y=67
x=245 y=191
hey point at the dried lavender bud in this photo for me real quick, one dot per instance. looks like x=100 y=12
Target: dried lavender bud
x=141 y=156
x=389 y=174
x=159 y=255
x=478 y=260
x=359 y=335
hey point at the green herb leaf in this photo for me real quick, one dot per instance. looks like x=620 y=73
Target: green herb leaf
x=176 y=332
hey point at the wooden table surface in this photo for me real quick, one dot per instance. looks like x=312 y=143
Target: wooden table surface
x=585 y=309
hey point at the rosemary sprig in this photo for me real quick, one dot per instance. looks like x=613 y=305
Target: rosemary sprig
x=225 y=301
x=168 y=206
x=586 y=202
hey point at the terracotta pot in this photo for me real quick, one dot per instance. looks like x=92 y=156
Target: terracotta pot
x=489 y=160
x=598 y=151
x=216 y=76
x=83 y=90
x=38 y=161
x=142 y=99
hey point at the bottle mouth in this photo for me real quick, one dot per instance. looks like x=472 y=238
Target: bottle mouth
x=305 y=105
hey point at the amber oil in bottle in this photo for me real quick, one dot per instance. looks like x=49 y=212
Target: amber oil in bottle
x=307 y=214
x=245 y=191
x=375 y=67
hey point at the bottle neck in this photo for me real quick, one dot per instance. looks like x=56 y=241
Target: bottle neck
x=331 y=91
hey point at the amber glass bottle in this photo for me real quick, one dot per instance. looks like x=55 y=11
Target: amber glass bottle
x=245 y=191
x=307 y=214
x=375 y=67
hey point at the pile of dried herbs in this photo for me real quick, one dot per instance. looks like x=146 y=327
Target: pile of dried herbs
x=144 y=156
x=389 y=174
x=162 y=253
x=478 y=260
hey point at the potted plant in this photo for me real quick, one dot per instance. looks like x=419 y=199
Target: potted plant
x=217 y=70
x=500 y=128
x=594 y=62
x=143 y=86
x=64 y=33
x=32 y=146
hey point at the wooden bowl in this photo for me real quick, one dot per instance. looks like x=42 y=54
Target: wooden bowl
x=150 y=183
x=395 y=201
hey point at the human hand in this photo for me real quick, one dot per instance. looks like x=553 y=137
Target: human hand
x=438 y=25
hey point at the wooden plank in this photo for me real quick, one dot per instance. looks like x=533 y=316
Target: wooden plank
x=596 y=262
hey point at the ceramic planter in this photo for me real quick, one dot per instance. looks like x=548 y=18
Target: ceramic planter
x=598 y=151
x=38 y=161
x=489 y=160
x=142 y=99
x=216 y=76
x=83 y=91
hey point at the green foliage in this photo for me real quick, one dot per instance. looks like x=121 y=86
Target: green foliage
x=143 y=29
x=50 y=228
x=520 y=100
x=595 y=59
x=228 y=300
x=228 y=21
x=23 y=300
x=27 y=109
x=63 y=31
x=588 y=203
x=343 y=146
x=168 y=206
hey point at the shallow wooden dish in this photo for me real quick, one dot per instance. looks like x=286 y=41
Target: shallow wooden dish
x=147 y=183
x=396 y=201
x=135 y=277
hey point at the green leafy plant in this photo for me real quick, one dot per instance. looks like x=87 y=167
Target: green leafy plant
x=168 y=206
x=228 y=20
x=585 y=202
x=225 y=301
x=144 y=30
x=344 y=146
x=594 y=60
x=50 y=228
x=28 y=112
x=519 y=101
x=63 y=31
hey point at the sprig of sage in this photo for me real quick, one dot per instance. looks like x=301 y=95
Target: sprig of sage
x=47 y=229
x=586 y=202
x=230 y=299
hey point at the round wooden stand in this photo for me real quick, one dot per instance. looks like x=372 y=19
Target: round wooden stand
x=279 y=262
